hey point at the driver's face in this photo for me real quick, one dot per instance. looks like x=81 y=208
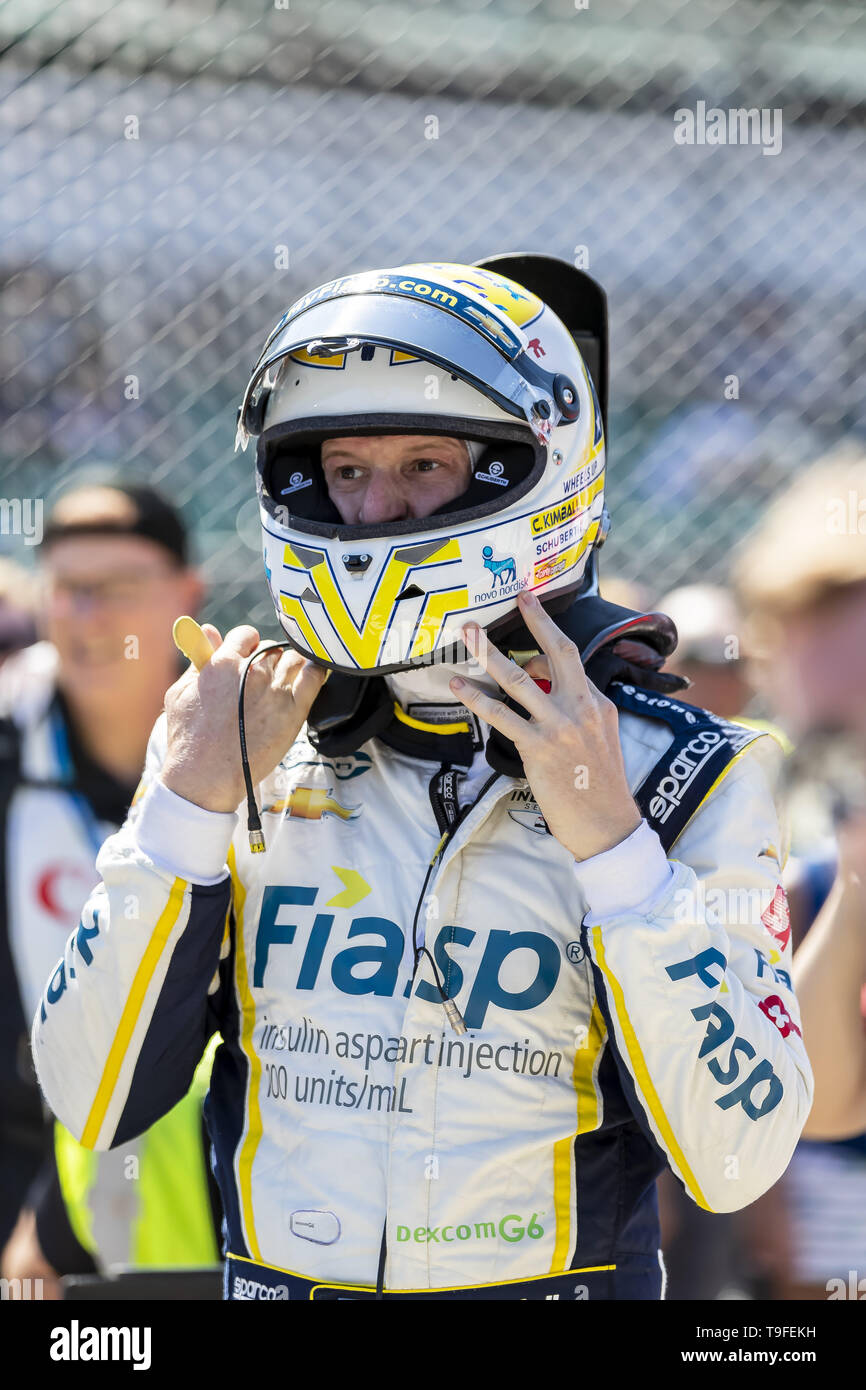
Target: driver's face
x=388 y=477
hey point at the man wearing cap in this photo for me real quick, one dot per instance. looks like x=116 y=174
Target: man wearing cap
x=77 y=709
x=802 y=578
x=709 y=649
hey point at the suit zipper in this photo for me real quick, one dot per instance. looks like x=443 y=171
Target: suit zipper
x=449 y=818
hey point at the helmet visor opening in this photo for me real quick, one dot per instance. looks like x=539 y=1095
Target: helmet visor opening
x=294 y=491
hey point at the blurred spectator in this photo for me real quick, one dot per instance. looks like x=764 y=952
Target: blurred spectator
x=802 y=577
x=17 y=609
x=708 y=1255
x=626 y=592
x=76 y=710
x=708 y=651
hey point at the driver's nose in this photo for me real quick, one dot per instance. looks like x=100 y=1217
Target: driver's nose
x=384 y=499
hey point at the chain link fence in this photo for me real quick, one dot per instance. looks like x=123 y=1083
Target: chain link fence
x=174 y=175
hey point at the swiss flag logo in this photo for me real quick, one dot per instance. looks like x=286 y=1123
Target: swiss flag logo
x=776 y=1012
x=776 y=918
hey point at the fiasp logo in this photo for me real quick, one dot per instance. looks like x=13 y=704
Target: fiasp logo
x=514 y=970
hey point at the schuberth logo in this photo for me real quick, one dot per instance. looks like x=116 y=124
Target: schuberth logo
x=494 y=474
x=296 y=482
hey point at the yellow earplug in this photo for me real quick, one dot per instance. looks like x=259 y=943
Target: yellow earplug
x=191 y=640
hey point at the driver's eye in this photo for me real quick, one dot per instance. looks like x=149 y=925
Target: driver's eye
x=425 y=465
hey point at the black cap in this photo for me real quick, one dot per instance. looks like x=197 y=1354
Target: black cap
x=154 y=518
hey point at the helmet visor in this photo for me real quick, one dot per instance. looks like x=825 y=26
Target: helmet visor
x=502 y=372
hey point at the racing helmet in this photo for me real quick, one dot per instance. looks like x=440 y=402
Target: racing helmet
x=430 y=348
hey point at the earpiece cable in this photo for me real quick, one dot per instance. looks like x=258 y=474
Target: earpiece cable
x=254 y=820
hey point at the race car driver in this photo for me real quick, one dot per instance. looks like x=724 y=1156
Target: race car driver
x=471 y=1000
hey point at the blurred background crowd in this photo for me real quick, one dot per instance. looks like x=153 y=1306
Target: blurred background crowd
x=174 y=175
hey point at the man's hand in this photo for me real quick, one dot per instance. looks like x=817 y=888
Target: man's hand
x=570 y=746
x=203 y=762
x=23 y=1259
x=852 y=851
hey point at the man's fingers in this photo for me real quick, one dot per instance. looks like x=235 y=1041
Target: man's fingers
x=212 y=634
x=493 y=712
x=307 y=684
x=240 y=641
x=520 y=686
x=538 y=667
x=564 y=656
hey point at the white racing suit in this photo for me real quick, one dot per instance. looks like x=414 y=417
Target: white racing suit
x=623 y=1013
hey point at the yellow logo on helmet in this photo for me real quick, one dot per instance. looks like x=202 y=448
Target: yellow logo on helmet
x=518 y=305
x=512 y=299
x=365 y=642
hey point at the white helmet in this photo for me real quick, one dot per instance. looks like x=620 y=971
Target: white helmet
x=428 y=349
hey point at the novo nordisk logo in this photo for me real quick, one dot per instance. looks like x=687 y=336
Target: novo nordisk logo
x=504 y=571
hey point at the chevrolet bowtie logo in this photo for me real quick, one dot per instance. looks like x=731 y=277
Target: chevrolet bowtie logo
x=313 y=803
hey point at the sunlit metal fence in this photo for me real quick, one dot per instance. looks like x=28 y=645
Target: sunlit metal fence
x=173 y=175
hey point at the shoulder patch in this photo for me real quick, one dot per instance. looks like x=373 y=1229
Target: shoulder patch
x=703 y=748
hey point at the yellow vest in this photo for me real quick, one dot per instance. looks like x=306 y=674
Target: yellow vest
x=145 y=1203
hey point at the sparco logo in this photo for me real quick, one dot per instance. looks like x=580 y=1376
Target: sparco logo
x=250 y=1290
x=682 y=771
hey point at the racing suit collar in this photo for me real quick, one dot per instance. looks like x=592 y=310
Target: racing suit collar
x=428 y=722
x=413 y=712
x=428 y=687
